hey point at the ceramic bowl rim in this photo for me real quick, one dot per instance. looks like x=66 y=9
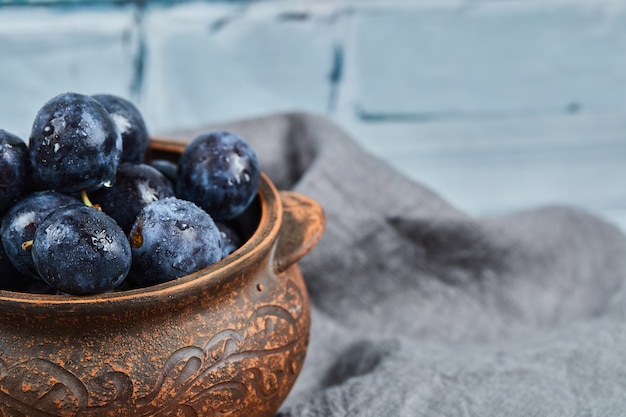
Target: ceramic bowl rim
x=258 y=245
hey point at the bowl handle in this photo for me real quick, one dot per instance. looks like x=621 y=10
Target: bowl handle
x=302 y=227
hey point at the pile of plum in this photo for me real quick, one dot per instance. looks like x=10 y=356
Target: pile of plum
x=85 y=212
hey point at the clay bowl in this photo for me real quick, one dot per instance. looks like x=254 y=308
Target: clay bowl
x=229 y=339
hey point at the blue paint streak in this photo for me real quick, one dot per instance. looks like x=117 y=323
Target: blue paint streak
x=335 y=76
x=140 y=56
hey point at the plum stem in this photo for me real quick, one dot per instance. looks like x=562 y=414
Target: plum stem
x=86 y=201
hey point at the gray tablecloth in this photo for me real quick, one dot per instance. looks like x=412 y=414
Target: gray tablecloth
x=421 y=310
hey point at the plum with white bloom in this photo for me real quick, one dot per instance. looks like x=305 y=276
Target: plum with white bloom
x=220 y=172
x=80 y=250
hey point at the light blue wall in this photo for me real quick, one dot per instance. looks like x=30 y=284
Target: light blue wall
x=496 y=104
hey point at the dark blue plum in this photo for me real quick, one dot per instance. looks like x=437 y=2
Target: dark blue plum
x=38 y=286
x=130 y=123
x=172 y=238
x=74 y=144
x=220 y=172
x=231 y=241
x=10 y=278
x=166 y=167
x=14 y=169
x=21 y=221
x=80 y=250
x=135 y=186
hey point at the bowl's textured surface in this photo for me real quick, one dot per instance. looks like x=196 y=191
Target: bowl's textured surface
x=230 y=339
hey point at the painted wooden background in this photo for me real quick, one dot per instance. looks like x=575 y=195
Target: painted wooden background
x=498 y=105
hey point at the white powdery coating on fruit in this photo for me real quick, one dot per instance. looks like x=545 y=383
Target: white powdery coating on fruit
x=147 y=194
x=88 y=123
x=237 y=167
x=103 y=241
x=122 y=122
x=58 y=125
x=189 y=233
x=53 y=130
x=22 y=220
x=57 y=234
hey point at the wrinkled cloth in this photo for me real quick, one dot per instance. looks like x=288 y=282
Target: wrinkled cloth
x=419 y=309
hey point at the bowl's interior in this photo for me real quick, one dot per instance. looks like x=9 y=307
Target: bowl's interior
x=246 y=224
x=258 y=227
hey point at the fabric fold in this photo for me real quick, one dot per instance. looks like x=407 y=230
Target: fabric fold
x=421 y=309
